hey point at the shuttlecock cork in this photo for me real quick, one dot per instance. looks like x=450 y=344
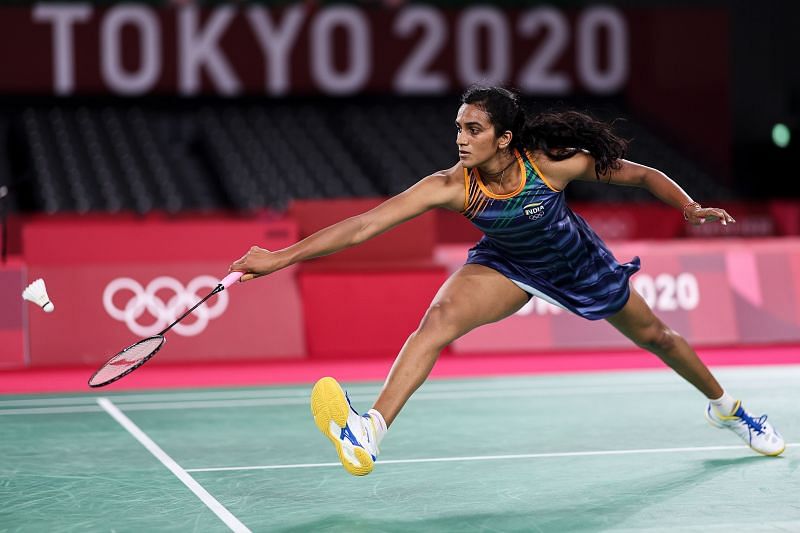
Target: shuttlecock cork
x=36 y=293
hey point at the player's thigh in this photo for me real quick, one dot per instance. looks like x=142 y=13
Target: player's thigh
x=474 y=295
x=637 y=321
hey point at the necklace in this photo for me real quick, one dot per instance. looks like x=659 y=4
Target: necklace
x=502 y=173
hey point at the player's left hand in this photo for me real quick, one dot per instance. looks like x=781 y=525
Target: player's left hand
x=697 y=215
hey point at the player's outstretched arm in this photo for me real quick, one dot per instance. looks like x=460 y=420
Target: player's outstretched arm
x=582 y=167
x=442 y=189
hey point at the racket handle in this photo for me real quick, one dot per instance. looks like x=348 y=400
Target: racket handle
x=230 y=279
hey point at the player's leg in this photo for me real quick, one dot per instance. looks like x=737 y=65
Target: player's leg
x=475 y=295
x=472 y=296
x=638 y=322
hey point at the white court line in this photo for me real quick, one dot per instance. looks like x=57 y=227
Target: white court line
x=486 y=458
x=422 y=395
x=653 y=378
x=156 y=397
x=52 y=410
x=305 y=391
x=217 y=508
x=437 y=386
x=303 y=400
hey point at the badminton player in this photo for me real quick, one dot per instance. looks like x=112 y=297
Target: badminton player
x=509 y=182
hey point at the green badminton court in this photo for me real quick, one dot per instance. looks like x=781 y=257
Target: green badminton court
x=610 y=451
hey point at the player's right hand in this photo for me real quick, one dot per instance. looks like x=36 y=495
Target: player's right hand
x=257 y=262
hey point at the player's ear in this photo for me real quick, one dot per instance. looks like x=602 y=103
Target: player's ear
x=505 y=140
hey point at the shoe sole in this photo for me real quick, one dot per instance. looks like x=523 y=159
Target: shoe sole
x=717 y=425
x=329 y=404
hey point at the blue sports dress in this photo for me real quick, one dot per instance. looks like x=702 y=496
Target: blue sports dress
x=535 y=240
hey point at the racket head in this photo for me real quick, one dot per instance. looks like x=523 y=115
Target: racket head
x=127 y=360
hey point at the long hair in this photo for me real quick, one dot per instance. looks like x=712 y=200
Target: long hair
x=560 y=135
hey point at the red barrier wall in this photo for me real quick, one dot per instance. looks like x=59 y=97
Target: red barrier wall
x=364 y=313
x=62 y=239
x=116 y=280
x=366 y=300
x=410 y=243
x=12 y=317
x=714 y=292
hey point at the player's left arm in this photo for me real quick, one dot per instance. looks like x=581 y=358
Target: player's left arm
x=581 y=167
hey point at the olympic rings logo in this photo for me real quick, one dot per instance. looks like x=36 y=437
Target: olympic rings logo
x=146 y=300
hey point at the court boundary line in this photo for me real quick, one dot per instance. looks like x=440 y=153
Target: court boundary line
x=490 y=457
x=435 y=386
x=304 y=391
x=266 y=400
x=217 y=508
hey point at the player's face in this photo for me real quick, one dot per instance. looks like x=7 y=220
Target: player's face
x=476 y=139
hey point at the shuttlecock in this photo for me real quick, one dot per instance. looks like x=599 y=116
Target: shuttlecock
x=36 y=292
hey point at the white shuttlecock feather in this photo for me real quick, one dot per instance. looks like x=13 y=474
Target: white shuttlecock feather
x=36 y=293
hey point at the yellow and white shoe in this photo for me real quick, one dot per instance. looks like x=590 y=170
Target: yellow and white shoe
x=756 y=432
x=353 y=435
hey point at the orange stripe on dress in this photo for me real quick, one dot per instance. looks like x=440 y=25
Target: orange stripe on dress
x=484 y=205
x=466 y=190
x=480 y=205
x=474 y=197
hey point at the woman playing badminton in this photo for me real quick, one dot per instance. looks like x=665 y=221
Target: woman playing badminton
x=509 y=182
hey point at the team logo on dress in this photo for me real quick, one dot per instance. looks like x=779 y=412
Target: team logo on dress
x=155 y=312
x=534 y=211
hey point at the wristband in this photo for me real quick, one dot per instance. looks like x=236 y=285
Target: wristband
x=685 y=207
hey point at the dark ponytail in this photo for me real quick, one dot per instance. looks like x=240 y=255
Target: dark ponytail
x=560 y=135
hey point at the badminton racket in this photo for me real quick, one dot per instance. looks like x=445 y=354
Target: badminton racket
x=138 y=353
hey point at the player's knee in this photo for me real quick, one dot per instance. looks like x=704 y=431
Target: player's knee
x=657 y=338
x=438 y=324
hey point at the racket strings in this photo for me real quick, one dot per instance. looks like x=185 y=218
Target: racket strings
x=125 y=361
x=138 y=354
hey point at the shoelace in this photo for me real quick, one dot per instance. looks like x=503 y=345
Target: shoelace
x=755 y=424
x=349 y=403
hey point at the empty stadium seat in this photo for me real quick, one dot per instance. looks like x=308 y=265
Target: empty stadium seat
x=246 y=155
